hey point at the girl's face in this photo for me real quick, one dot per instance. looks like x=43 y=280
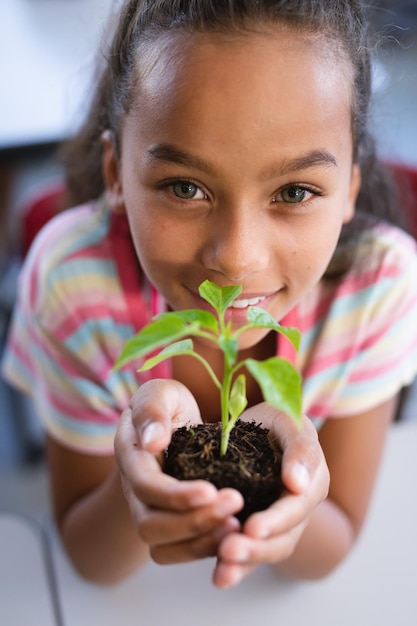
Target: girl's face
x=236 y=166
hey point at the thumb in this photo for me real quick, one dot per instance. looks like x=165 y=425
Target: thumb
x=302 y=458
x=157 y=408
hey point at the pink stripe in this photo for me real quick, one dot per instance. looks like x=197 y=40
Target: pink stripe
x=14 y=347
x=319 y=411
x=345 y=353
x=99 y=251
x=400 y=315
x=71 y=325
x=384 y=367
x=322 y=363
x=350 y=285
x=367 y=279
x=130 y=273
x=61 y=223
x=285 y=349
x=84 y=413
x=155 y=301
x=68 y=367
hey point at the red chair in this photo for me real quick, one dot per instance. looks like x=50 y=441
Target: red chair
x=405 y=177
x=39 y=211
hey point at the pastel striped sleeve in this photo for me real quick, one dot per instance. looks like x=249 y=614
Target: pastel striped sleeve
x=386 y=359
x=69 y=326
x=367 y=349
x=79 y=402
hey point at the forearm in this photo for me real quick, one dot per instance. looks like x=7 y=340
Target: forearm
x=99 y=534
x=325 y=542
x=353 y=464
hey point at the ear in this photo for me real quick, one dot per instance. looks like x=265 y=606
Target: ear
x=110 y=165
x=354 y=187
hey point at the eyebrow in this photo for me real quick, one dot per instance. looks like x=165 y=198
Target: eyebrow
x=316 y=158
x=313 y=159
x=168 y=154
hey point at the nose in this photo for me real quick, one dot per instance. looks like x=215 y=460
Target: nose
x=238 y=244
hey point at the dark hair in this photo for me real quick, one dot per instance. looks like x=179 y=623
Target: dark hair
x=343 y=21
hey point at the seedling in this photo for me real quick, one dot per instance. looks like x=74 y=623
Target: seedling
x=279 y=381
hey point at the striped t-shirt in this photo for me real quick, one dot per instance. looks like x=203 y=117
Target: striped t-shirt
x=82 y=295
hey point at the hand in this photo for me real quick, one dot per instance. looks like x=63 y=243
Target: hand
x=270 y=536
x=179 y=520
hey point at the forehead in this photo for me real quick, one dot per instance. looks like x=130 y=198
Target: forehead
x=278 y=79
x=171 y=56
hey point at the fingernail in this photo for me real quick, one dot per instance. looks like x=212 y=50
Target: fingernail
x=222 y=531
x=151 y=432
x=301 y=476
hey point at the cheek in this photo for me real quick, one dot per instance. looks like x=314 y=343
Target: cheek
x=160 y=242
x=313 y=249
x=153 y=240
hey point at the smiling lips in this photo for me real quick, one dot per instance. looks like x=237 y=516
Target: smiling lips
x=245 y=303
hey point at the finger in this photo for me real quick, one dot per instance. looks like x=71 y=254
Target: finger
x=174 y=495
x=200 y=547
x=158 y=407
x=143 y=478
x=240 y=549
x=163 y=527
x=302 y=454
x=303 y=462
x=227 y=575
x=142 y=475
x=287 y=512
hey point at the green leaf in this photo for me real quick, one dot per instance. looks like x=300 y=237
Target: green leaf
x=280 y=383
x=156 y=334
x=205 y=319
x=237 y=400
x=175 y=349
x=260 y=318
x=220 y=298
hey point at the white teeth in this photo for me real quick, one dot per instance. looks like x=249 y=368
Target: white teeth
x=243 y=304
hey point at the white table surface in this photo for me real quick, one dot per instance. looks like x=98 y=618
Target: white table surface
x=375 y=586
x=26 y=593
x=47 y=52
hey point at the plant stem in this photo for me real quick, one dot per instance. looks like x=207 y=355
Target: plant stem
x=225 y=394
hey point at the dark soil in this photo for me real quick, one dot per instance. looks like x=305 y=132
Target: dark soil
x=250 y=465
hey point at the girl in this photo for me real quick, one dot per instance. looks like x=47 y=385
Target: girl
x=228 y=141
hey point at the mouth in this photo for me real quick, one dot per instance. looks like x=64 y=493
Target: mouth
x=244 y=303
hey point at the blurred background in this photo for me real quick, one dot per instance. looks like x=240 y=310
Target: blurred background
x=48 y=49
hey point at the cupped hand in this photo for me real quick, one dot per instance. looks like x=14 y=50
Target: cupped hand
x=179 y=520
x=271 y=536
